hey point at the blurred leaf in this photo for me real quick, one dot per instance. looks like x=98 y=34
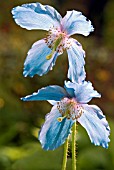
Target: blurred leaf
x=5 y=163
x=40 y=160
x=93 y=158
x=6 y=137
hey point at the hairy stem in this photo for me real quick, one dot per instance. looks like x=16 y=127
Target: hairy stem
x=74 y=146
x=65 y=155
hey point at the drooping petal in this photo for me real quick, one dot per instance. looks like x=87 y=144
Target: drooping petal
x=55 y=93
x=76 y=23
x=96 y=125
x=36 y=16
x=54 y=133
x=76 y=71
x=36 y=62
x=83 y=92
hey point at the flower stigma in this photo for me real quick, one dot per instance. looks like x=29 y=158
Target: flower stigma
x=57 y=42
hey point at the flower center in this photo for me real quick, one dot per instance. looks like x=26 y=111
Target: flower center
x=56 y=40
x=69 y=108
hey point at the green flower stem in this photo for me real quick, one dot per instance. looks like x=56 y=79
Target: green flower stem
x=74 y=146
x=65 y=155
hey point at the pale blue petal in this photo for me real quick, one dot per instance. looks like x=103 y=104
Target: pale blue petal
x=53 y=133
x=96 y=125
x=55 y=93
x=69 y=87
x=83 y=92
x=76 y=71
x=36 y=62
x=53 y=102
x=36 y=16
x=53 y=13
x=76 y=23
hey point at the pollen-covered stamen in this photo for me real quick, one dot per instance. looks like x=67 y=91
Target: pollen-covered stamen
x=69 y=108
x=57 y=40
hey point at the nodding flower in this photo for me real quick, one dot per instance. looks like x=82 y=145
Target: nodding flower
x=42 y=56
x=69 y=106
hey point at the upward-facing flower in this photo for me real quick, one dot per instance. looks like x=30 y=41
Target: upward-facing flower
x=70 y=105
x=43 y=54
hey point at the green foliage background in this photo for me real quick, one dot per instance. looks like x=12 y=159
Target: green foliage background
x=21 y=121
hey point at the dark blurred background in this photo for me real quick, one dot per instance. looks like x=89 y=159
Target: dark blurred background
x=21 y=121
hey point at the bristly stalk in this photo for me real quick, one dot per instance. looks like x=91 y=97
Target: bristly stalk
x=65 y=155
x=74 y=146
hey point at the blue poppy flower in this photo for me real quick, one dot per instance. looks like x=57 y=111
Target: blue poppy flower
x=42 y=56
x=69 y=106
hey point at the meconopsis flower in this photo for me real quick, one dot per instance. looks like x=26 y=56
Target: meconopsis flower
x=43 y=54
x=69 y=106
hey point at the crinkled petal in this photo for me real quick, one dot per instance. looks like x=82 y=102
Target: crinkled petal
x=83 y=92
x=69 y=87
x=36 y=16
x=76 y=71
x=76 y=23
x=96 y=125
x=54 y=133
x=55 y=93
x=36 y=62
